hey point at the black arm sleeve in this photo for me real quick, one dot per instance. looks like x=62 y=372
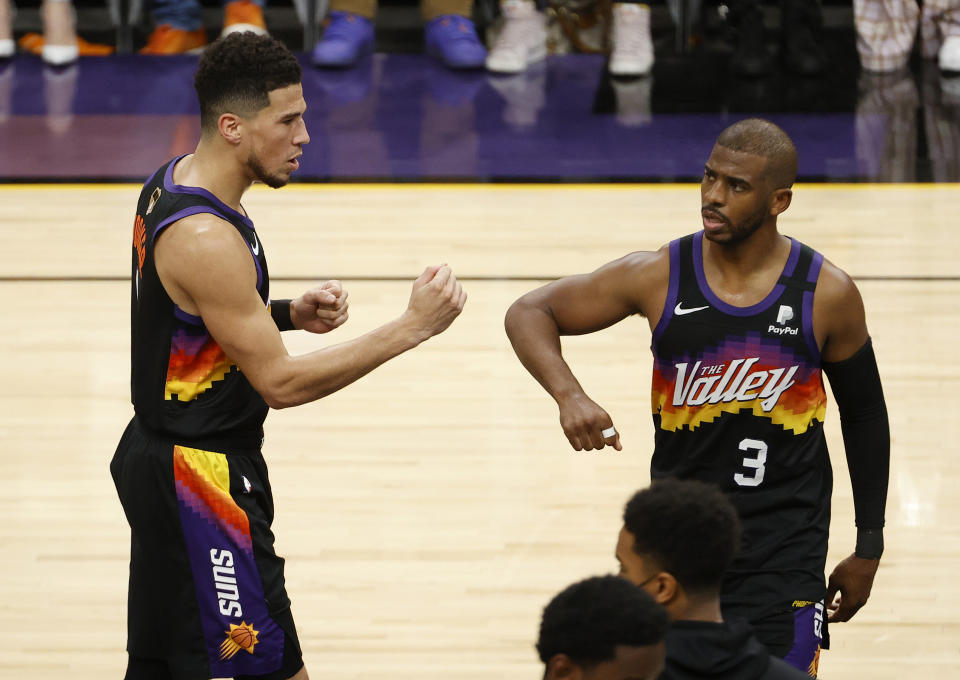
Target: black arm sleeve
x=866 y=432
x=280 y=311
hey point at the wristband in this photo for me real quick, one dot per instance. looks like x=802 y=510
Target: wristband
x=280 y=311
x=869 y=544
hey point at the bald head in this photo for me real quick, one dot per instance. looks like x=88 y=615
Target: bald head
x=762 y=138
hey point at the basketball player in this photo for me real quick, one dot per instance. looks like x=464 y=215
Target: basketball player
x=677 y=540
x=743 y=320
x=602 y=628
x=207 y=596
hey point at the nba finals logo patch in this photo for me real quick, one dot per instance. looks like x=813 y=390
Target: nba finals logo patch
x=238 y=637
x=154 y=197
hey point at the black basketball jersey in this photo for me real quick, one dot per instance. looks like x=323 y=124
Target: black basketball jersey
x=183 y=384
x=738 y=401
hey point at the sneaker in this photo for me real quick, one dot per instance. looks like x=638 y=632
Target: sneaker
x=7 y=49
x=632 y=53
x=522 y=40
x=801 y=51
x=453 y=40
x=166 y=39
x=243 y=15
x=346 y=39
x=750 y=58
x=950 y=54
x=61 y=55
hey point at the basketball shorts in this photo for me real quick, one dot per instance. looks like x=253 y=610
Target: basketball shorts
x=796 y=634
x=206 y=593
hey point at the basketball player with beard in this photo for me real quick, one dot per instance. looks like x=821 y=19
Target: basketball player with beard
x=743 y=320
x=206 y=593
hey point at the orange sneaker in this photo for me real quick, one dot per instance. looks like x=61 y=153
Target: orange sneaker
x=33 y=43
x=166 y=39
x=243 y=15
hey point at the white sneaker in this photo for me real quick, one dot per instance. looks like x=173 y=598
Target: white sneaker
x=523 y=39
x=950 y=54
x=632 y=44
x=7 y=48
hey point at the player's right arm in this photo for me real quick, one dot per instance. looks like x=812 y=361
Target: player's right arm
x=206 y=268
x=574 y=305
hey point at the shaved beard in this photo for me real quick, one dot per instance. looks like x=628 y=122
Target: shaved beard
x=261 y=175
x=738 y=233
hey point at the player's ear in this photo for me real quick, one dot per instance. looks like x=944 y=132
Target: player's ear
x=666 y=586
x=230 y=127
x=562 y=667
x=780 y=200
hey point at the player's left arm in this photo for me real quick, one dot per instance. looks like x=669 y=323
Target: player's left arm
x=851 y=367
x=319 y=310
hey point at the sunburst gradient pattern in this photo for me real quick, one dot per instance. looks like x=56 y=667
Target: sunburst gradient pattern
x=203 y=484
x=196 y=362
x=802 y=403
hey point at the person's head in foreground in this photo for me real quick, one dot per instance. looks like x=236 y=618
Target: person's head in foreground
x=251 y=106
x=602 y=628
x=677 y=540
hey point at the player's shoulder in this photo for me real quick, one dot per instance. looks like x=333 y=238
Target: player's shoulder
x=644 y=264
x=835 y=287
x=203 y=236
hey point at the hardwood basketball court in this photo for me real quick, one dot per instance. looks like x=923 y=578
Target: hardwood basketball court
x=431 y=510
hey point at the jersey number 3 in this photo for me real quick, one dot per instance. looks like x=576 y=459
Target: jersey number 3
x=756 y=460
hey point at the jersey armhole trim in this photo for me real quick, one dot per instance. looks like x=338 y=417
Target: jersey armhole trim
x=807 y=312
x=672 y=289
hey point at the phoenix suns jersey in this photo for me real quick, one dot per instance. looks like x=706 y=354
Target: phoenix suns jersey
x=738 y=401
x=183 y=384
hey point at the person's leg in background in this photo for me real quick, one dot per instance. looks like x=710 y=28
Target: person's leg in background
x=885 y=32
x=59 y=45
x=7 y=46
x=632 y=50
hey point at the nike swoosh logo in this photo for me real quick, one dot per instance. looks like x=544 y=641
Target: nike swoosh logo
x=256 y=246
x=680 y=311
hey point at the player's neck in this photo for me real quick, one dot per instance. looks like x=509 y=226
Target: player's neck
x=747 y=258
x=217 y=172
x=705 y=608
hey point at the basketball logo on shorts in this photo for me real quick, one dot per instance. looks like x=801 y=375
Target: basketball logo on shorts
x=238 y=637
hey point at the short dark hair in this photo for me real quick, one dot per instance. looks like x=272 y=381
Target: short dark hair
x=760 y=137
x=236 y=74
x=589 y=619
x=688 y=528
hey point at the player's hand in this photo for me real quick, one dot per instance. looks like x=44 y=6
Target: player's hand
x=436 y=300
x=849 y=587
x=584 y=422
x=321 y=309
